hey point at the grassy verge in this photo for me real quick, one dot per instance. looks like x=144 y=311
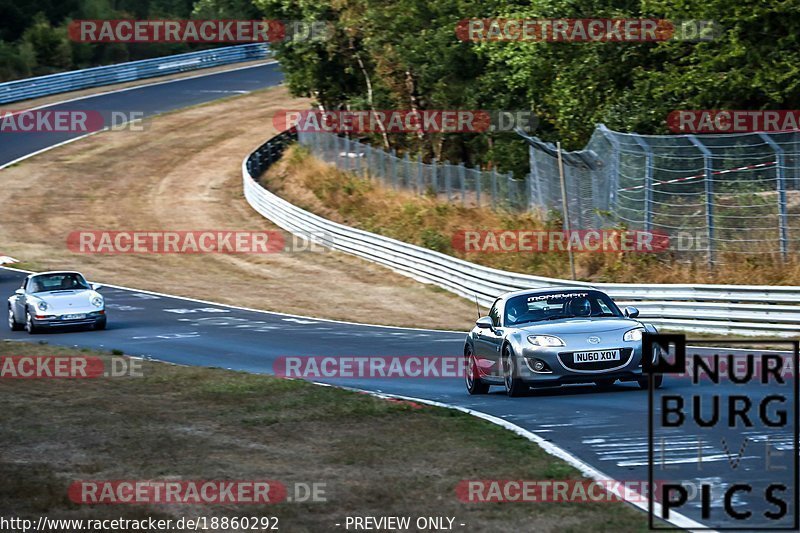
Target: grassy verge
x=376 y=457
x=432 y=222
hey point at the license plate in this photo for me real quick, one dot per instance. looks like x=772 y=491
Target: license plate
x=78 y=316
x=594 y=357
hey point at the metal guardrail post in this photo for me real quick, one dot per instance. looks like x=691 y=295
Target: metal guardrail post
x=783 y=216
x=648 y=183
x=709 y=188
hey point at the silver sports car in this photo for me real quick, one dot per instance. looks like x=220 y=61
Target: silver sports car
x=56 y=300
x=549 y=337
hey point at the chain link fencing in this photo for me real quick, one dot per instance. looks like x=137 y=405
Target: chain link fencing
x=454 y=183
x=711 y=194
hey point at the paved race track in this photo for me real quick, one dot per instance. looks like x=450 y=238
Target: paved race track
x=607 y=430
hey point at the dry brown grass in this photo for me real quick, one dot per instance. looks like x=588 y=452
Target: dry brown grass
x=376 y=458
x=432 y=222
x=184 y=173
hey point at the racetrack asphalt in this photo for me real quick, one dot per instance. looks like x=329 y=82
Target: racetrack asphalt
x=606 y=429
x=149 y=100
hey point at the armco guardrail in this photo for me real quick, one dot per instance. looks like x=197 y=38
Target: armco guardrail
x=748 y=310
x=14 y=91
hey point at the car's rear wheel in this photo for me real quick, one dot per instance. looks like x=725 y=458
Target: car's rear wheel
x=30 y=327
x=658 y=380
x=13 y=325
x=472 y=377
x=513 y=384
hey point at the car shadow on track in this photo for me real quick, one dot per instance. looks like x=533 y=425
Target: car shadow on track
x=573 y=390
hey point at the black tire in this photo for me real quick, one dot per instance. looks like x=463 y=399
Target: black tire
x=13 y=325
x=101 y=325
x=472 y=378
x=513 y=384
x=605 y=384
x=657 y=382
x=30 y=327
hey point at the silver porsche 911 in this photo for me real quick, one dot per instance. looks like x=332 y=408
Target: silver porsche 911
x=550 y=337
x=56 y=300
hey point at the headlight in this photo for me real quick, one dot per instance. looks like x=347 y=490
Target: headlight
x=545 y=340
x=97 y=301
x=42 y=306
x=633 y=335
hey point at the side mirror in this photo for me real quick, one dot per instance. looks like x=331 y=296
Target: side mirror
x=631 y=312
x=484 y=322
x=19 y=291
x=96 y=286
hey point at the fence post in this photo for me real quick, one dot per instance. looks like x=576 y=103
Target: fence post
x=511 y=190
x=614 y=171
x=406 y=170
x=478 y=184
x=357 y=152
x=648 y=183
x=709 y=187
x=536 y=180
x=419 y=174
x=494 y=187
x=434 y=177
x=448 y=170
x=462 y=181
x=783 y=217
x=393 y=162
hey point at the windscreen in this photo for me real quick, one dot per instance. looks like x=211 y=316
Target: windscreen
x=557 y=305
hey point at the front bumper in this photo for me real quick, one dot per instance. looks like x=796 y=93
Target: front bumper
x=561 y=368
x=90 y=318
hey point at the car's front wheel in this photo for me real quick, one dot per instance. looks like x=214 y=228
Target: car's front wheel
x=513 y=384
x=30 y=327
x=658 y=379
x=13 y=325
x=472 y=377
x=100 y=324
